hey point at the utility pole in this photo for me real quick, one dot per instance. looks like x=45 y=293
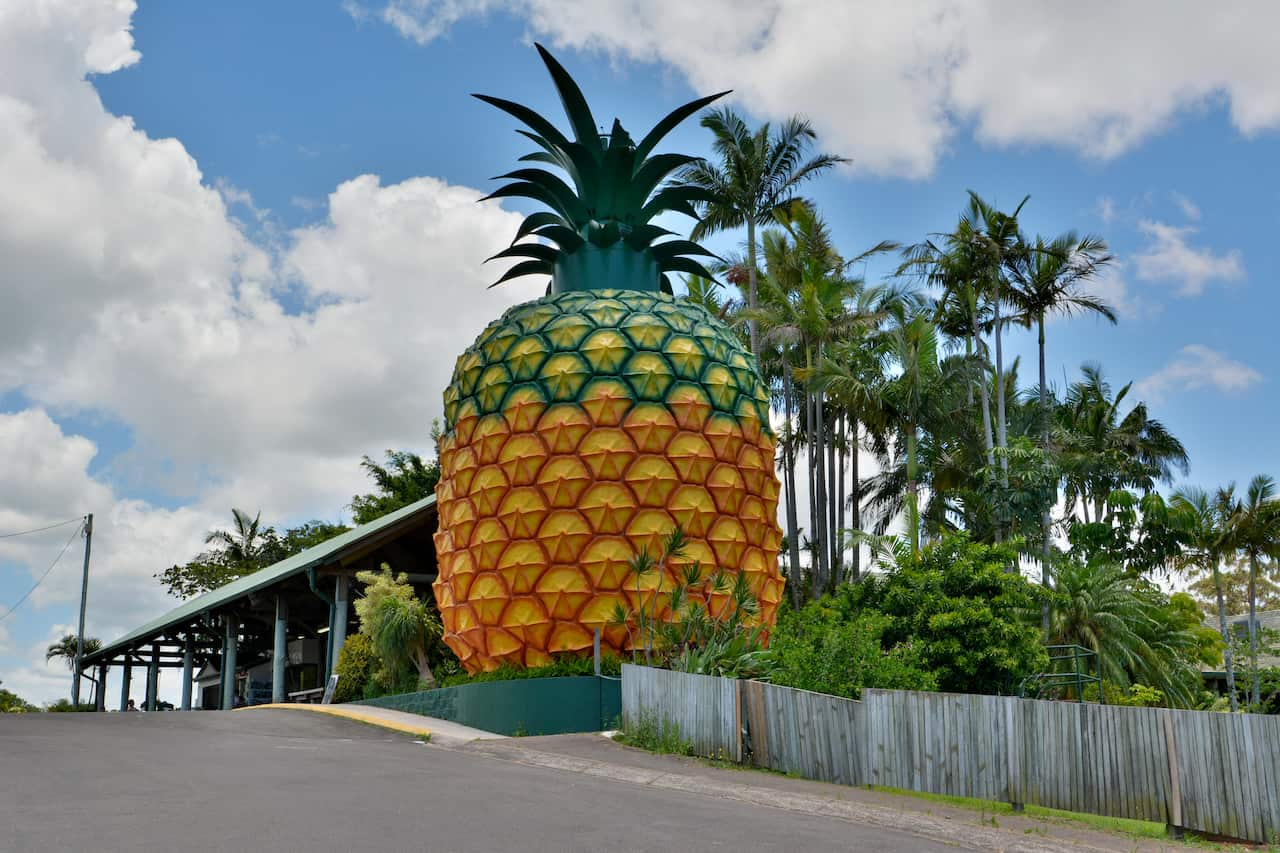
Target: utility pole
x=84 y=593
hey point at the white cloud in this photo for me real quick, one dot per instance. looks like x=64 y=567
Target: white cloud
x=1169 y=257
x=889 y=83
x=1112 y=285
x=1196 y=367
x=133 y=296
x=1106 y=209
x=1188 y=207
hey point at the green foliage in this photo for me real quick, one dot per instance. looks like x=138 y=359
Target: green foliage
x=404 y=479
x=64 y=706
x=829 y=648
x=357 y=663
x=972 y=619
x=402 y=630
x=678 y=625
x=617 y=189
x=1140 y=636
x=12 y=703
x=564 y=666
x=244 y=549
x=66 y=649
x=660 y=736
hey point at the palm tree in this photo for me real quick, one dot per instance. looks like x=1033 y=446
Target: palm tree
x=1204 y=521
x=66 y=649
x=756 y=176
x=997 y=244
x=1046 y=281
x=1119 y=617
x=244 y=544
x=1255 y=533
x=912 y=396
x=1104 y=451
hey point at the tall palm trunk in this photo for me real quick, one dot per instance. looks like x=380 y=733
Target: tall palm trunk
x=855 y=504
x=833 y=532
x=982 y=386
x=1002 y=440
x=1046 y=519
x=913 y=497
x=789 y=463
x=1227 y=657
x=840 y=502
x=820 y=478
x=1254 y=696
x=753 y=326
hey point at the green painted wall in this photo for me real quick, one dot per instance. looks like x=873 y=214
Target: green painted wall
x=525 y=706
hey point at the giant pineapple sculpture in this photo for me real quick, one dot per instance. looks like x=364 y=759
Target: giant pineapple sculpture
x=584 y=426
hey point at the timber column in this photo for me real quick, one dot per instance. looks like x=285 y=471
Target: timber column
x=188 y=664
x=339 y=635
x=229 y=661
x=125 y=680
x=153 y=677
x=280 y=651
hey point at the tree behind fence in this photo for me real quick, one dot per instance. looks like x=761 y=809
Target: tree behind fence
x=1210 y=773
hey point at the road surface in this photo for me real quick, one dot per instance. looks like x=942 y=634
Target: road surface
x=282 y=781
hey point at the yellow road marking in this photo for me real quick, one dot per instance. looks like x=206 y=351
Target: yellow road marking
x=349 y=714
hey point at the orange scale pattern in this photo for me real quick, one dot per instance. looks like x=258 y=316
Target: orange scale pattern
x=581 y=428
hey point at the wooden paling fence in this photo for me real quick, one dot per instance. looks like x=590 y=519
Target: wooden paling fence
x=1206 y=772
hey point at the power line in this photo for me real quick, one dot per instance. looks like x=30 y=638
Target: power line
x=20 y=601
x=40 y=529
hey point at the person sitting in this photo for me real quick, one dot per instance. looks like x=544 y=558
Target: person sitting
x=131 y=706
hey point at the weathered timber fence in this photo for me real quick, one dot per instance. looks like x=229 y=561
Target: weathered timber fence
x=705 y=709
x=1210 y=773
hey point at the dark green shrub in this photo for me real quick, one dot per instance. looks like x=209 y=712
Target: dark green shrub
x=357 y=662
x=64 y=706
x=563 y=666
x=819 y=649
x=975 y=623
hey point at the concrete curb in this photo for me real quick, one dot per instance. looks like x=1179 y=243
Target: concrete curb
x=414 y=729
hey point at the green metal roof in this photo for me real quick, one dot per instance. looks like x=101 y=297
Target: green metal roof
x=324 y=553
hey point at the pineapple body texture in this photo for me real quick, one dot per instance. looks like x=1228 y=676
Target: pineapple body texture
x=580 y=428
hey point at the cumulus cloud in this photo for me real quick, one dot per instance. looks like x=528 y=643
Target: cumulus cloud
x=1188 y=207
x=1169 y=256
x=889 y=83
x=1197 y=367
x=135 y=294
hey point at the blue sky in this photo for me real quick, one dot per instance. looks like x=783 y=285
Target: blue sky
x=216 y=308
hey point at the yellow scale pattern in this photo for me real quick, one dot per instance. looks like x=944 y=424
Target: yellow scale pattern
x=581 y=428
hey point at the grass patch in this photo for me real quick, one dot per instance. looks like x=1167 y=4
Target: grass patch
x=654 y=735
x=1138 y=828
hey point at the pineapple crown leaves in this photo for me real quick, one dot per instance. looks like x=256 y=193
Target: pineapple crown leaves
x=617 y=187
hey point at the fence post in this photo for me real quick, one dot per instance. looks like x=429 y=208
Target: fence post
x=1013 y=743
x=1174 y=811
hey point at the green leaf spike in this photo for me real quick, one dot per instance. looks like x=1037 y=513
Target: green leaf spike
x=599 y=227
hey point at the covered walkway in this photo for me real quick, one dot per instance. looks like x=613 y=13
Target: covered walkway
x=286 y=622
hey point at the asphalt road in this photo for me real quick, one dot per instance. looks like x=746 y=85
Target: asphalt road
x=264 y=780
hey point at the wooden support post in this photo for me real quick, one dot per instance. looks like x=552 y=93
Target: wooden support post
x=153 y=678
x=338 y=631
x=1174 y=809
x=229 y=661
x=125 y=680
x=280 y=651
x=188 y=665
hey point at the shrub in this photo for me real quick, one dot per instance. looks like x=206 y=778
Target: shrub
x=64 y=706
x=823 y=650
x=357 y=662
x=976 y=624
x=404 y=632
x=563 y=666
